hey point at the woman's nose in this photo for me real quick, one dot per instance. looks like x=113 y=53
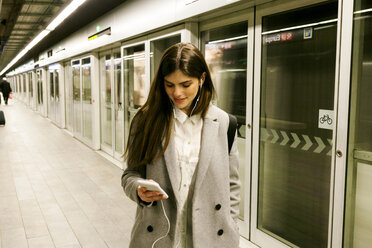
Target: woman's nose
x=177 y=91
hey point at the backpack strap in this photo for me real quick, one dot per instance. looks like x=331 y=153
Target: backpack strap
x=233 y=124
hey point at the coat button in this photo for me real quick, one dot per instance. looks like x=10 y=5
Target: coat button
x=154 y=203
x=220 y=232
x=150 y=228
x=218 y=207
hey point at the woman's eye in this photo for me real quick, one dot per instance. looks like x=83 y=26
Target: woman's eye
x=169 y=85
x=186 y=85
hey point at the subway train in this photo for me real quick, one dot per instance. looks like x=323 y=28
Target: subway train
x=297 y=74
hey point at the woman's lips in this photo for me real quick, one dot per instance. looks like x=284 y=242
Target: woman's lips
x=179 y=100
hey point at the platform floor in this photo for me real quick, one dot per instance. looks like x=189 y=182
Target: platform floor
x=54 y=190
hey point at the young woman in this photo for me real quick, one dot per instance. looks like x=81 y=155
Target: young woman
x=179 y=140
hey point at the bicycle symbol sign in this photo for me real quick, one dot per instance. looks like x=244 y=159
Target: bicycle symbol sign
x=325 y=119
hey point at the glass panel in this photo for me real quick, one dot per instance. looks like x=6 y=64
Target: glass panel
x=296 y=125
x=87 y=99
x=225 y=51
x=57 y=97
x=134 y=80
x=39 y=90
x=41 y=87
x=30 y=89
x=76 y=98
x=362 y=4
x=106 y=119
x=31 y=84
x=119 y=112
x=51 y=106
x=358 y=212
x=24 y=85
x=157 y=47
x=68 y=94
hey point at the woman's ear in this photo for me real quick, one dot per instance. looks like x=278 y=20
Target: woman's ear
x=202 y=78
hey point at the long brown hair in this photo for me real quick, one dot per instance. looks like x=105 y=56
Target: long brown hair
x=152 y=123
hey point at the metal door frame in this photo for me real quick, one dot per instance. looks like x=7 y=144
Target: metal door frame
x=337 y=181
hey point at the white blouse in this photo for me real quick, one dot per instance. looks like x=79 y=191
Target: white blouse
x=187 y=135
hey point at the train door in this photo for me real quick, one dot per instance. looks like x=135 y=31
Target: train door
x=24 y=87
x=294 y=118
x=51 y=94
x=39 y=84
x=69 y=96
x=227 y=44
x=82 y=99
x=30 y=89
x=54 y=108
x=134 y=75
x=140 y=62
x=112 y=115
x=27 y=79
x=358 y=211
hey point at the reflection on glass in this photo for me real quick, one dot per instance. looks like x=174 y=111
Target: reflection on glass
x=76 y=96
x=134 y=80
x=39 y=90
x=68 y=95
x=24 y=85
x=51 y=96
x=56 y=97
x=157 y=47
x=30 y=88
x=87 y=98
x=358 y=213
x=106 y=119
x=225 y=51
x=298 y=69
x=362 y=5
x=119 y=113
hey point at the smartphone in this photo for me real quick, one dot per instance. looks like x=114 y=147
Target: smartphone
x=152 y=186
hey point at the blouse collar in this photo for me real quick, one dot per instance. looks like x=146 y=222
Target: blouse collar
x=182 y=117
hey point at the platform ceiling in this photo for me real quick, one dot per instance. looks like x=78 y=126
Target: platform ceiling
x=22 y=20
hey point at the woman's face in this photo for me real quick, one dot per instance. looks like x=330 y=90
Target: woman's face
x=181 y=89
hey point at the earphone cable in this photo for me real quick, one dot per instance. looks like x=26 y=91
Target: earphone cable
x=168 y=222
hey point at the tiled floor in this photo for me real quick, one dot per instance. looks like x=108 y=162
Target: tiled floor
x=55 y=191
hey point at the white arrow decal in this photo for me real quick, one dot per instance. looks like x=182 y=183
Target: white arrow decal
x=330 y=151
x=276 y=136
x=264 y=135
x=296 y=142
x=285 y=140
x=308 y=143
x=321 y=145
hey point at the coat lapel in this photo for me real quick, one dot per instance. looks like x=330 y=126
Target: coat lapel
x=171 y=164
x=208 y=141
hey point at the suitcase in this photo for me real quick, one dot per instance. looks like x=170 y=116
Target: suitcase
x=2 y=118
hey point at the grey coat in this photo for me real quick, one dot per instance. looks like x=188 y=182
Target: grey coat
x=215 y=192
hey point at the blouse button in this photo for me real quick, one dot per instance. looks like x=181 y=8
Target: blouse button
x=220 y=232
x=218 y=207
x=150 y=228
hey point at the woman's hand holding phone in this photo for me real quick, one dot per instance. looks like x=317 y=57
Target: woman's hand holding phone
x=149 y=191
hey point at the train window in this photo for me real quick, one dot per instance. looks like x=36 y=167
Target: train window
x=134 y=64
x=358 y=212
x=157 y=49
x=298 y=66
x=86 y=61
x=225 y=51
x=303 y=16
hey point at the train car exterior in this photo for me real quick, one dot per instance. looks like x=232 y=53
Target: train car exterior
x=296 y=73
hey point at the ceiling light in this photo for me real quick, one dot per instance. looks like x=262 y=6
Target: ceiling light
x=64 y=14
